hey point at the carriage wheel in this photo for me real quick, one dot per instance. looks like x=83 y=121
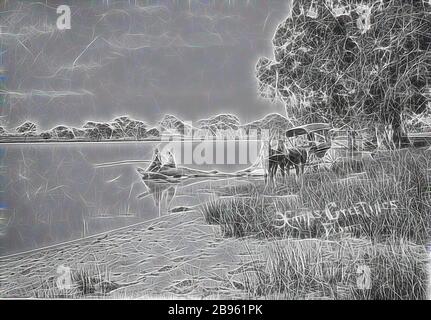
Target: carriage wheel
x=329 y=159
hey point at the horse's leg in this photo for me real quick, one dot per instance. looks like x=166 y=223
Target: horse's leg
x=269 y=169
x=304 y=160
x=273 y=170
x=270 y=165
x=288 y=168
x=297 y=169
x=283 y=173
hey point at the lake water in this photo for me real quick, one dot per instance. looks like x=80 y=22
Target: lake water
x=52 y=193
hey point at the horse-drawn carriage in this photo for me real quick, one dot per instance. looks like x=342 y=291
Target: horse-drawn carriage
x=315 y=138
x=323 y=146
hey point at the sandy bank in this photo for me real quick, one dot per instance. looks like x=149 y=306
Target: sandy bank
x=174 y=256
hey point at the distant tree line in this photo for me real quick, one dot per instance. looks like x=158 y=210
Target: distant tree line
x=119 y=128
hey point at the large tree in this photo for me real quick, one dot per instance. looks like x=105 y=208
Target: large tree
x=349 y=60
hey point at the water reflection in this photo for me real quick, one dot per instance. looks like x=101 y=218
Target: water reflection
x=185 y=195
x=162 y=193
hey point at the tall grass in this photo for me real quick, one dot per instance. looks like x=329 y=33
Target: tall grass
x=320 y=269
x=400 y=178
x=392 y=238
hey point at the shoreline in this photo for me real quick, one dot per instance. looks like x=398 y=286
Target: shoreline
x=177 y=255
x=71 y=242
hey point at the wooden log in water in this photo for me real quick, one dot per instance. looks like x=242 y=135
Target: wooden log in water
x=176 y=174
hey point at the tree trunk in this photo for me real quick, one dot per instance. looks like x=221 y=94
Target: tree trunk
x=399 y=135
x=383 y=135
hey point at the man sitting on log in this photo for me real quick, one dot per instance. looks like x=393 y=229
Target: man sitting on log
x=156 y=164
x=170 y=163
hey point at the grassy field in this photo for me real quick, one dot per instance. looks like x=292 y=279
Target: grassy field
x=330 y=226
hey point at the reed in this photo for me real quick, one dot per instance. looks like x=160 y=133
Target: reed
x=330 y=220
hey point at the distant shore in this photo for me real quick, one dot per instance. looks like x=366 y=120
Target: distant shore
x=417 y=139
x=19 y=140
x=161 y=139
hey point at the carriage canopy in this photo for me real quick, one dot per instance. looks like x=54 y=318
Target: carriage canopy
x=307 y=129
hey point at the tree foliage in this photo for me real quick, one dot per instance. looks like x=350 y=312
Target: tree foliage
x=342 y=60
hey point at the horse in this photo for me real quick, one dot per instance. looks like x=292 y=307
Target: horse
x=296 y=157
x=276 y=160
x=283 y=160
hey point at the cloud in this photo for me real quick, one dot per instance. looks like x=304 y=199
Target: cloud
x=65 y=70
x=141 y=41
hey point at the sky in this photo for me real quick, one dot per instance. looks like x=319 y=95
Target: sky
x=192 y=59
